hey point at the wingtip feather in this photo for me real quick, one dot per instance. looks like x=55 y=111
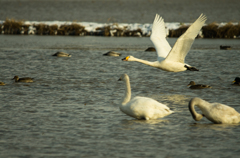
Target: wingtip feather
x=203 y=17
x=158 y=19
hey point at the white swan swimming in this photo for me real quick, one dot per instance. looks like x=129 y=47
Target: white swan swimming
x=214 y=112
x=141 y=107
x=171 y=59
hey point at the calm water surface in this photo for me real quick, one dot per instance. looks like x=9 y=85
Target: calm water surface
x=71 y=110
x=120 y=11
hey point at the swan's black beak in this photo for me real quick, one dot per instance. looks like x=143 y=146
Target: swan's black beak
x=119 y=79
x=125 y=59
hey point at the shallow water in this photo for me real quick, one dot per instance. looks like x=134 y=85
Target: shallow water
x=71 y=110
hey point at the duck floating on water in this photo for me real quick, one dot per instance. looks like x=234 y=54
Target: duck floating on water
x=25 y=79
x=62 y=54
x=112 y=53
x=236 y=81
x=193 y=85
x=150 y=49
x=225 y=47
x=2 y=83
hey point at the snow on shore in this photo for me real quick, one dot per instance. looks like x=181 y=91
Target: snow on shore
x=87 y=28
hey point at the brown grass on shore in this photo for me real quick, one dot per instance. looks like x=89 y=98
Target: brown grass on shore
x=117 y=31
x=134 y=33
x=63 y=30
x=227 y=31
x=53 y=29
x=1 y=28
x=223 y=31
x=234 y=31
x=210 y=30
x=103 y=31
x=77 y=29
x=73 y=29
x=12 y=26
x=178 y=32
x=120 y=31
x=25 y=28
x=41 y=29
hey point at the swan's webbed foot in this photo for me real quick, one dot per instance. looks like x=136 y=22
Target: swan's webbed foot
x=191 y=68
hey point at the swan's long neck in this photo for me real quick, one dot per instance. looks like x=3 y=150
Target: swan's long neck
x=198 y=102
x=149 y=63
x=127 y=95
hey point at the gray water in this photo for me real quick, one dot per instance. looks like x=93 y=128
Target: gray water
x=71 y=108
x=120 y=11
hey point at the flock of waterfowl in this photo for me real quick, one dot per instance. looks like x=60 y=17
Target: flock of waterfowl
x=172 y=60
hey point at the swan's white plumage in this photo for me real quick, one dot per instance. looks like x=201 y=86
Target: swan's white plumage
x=141 y=107
x=184 y=42
x=171 y=59
x=158 y=38
x=215 y=112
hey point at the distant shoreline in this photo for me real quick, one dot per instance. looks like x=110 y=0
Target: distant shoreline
x=19 y=27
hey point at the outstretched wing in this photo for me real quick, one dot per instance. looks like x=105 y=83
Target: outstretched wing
x=184 y=42
x=158 y=37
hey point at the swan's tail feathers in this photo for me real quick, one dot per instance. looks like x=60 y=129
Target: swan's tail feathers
x=191 y=68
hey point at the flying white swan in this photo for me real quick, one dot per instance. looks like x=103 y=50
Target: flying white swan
x=214 y=112
x=141 y=107
x=171 y=59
